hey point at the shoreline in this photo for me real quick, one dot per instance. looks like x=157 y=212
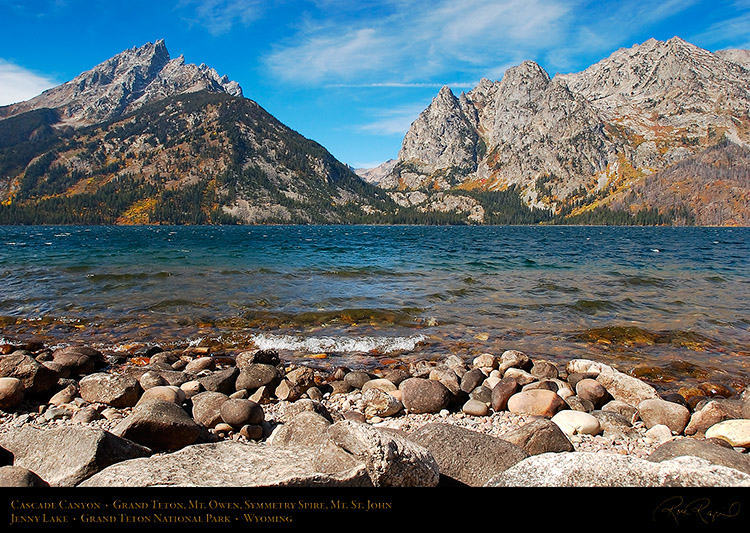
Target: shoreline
x=537 y=407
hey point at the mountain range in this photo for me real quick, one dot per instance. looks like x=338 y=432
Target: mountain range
x=658 y=133
x=574 y=143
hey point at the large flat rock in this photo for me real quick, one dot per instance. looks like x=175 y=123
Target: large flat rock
x=582 y=469
x=66 y=456
x=229 y=464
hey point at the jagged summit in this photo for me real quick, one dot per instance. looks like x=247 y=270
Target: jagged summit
x=575 y=138
x=123 y=83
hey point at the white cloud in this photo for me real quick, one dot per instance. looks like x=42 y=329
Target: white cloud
x=324 y=57
x=18 y=84
x=732 y=32
x=394 y=84
x=410 y=41
x=219 y=16
x=598 y=28
x=394 y=121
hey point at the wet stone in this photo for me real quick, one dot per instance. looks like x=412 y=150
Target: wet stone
x=696 y=402
x=717 y=389
x=676 y=398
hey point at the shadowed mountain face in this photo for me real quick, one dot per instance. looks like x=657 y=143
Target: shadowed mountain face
x=142 y=138
x=574 y=140
x=194 y=158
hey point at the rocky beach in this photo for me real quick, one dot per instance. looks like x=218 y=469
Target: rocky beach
x=80 y=417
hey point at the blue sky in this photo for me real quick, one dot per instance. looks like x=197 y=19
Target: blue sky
x=351 y=75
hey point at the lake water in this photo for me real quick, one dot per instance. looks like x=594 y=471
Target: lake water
x=671 y=305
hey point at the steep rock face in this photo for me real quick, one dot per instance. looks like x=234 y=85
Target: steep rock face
x=375 y=175
x=538 y=130
x=512 y=132
x=578 y=138
x=443 y=137
x=672 y=94
x=124 y=83
x=193 y=158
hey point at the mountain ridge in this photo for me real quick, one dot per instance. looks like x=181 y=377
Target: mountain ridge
x=572 y=137
x=123 y=83
x=144 y=138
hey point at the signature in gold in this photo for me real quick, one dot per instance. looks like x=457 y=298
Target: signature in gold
x=677 y=508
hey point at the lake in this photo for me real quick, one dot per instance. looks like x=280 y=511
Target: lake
x=671 y=305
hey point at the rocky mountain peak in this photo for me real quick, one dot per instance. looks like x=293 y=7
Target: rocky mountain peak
x=445 y=93
x=123 y=83
x=527 y=73
x=577 y=137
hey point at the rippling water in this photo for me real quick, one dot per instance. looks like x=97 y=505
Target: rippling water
x=670 y=303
